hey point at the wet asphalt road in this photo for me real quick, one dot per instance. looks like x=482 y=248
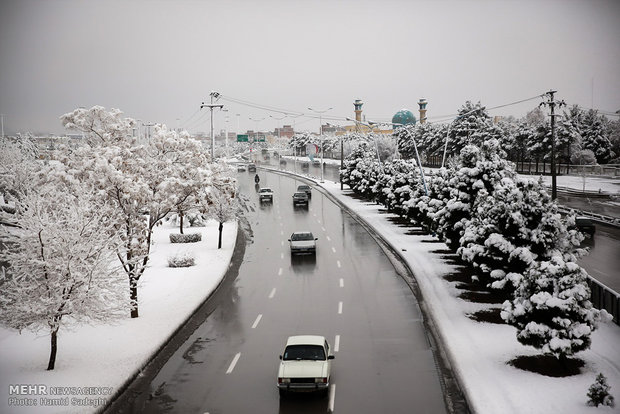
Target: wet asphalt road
x=350 y=293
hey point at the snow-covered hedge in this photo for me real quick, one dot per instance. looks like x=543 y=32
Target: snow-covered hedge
x=184 y=260
x=185 y=238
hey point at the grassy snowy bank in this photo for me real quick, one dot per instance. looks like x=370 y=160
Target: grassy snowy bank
x=105 y=356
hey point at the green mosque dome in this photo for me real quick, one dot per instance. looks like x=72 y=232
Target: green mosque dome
x=404 y=116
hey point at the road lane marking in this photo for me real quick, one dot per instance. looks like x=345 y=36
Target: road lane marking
x=281 y=232
x=280 y=272
x=281 y=255
x=333 y=249
x=338 y=263
x=339 y=308
x=282 y=243
x=328 y=239
x=258 y=318
x=337 y=343
x=323 y=228
x=332 y=398
x=273 y=293
x=233 y=363
x=341 y=282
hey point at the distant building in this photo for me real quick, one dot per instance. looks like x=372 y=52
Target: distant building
x=286 y=131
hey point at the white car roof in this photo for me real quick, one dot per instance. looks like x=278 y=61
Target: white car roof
x=306 y=340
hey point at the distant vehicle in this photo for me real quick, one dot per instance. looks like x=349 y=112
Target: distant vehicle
x=302 y=242
x=267 y=157
x=316 y=163
x=305 y=365
x=265 y=194
x=275 y=154
x=240 y=168
x=251 y=167
x=264 y=151
x=305 y=165
x=282 y=161
x=585 y=225
x=306 y=189
x=300 y=198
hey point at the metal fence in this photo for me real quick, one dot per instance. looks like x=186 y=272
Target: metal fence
x=605 y=298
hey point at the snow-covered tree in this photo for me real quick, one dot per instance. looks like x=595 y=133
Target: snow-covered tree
x=61 y=262
x=469 y=127
x=361 y=170
x=220 y=201
x=551 y=308
x=594 y=137
x=598 y=393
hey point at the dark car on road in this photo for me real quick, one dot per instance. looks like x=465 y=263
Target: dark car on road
x=251 y=167
x=300 y=198
x=585 y=225
x=306 y=189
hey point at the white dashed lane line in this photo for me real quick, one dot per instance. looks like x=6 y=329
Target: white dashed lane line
x=338 y=263
x=273 y=293
x=332 y=398
x=341 y=282
x=333 y=249
x=337 y=343
x=233 y=363
x=328 y=238
x=258 y=318
x=280 y=272
x=339 y=308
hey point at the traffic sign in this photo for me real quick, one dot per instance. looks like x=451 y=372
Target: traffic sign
x=242 y=138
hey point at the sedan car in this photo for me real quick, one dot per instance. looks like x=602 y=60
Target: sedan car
x=265 y=194
x=306 y=189
x=302 y=242
x=305 y=365
x=300 y=198
x=240 y=167
x=251 y=167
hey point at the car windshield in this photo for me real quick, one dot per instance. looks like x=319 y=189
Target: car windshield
x=303 y=187
x=265 y=190
x=304 y=352
x=299 y=195
x=302 y=236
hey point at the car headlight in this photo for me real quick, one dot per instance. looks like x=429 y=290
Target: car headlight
x=322 y=380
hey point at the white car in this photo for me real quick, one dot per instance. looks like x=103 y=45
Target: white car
x=303 y=242
x=305 y=365
x=265 y=194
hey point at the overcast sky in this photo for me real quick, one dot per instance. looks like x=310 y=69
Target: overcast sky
x=157 y=61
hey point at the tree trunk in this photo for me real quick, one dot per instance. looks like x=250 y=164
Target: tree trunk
x=219 y=243
x=181 y=222
x=54 y=348
x=133 y=295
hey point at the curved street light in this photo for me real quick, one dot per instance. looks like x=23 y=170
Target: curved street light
x=255 y=132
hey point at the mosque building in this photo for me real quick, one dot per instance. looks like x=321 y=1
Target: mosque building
x=402 y=117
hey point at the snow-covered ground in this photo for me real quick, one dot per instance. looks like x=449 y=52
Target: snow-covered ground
x=105 y=356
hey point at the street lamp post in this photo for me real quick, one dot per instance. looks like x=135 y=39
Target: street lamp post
x=211 y=106
x=279 y=119
x=321 y=135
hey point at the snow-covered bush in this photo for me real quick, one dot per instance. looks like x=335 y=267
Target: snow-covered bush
x=185 y=238
x=598 y=393
x=361 y=171
x=393 y=189
x=182 y=260
x=551 y=308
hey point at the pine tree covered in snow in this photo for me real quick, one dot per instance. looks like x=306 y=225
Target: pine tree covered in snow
x=361 y=171
x=480 y=170
x=393 y=187
x=61 y=262
x=551 y=308
x=598 y=393
x=594 y=137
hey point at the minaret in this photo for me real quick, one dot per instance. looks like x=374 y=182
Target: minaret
x=358 y=109
x=422 y=102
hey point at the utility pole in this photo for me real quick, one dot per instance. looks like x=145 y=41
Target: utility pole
x=2 y=117
x=551 y=103
x=211 y=106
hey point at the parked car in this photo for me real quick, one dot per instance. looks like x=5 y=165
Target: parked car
x=240 y=167
x=585 y=225
x=302 y=242
x=305 y=365
x=251 y=167
x=306 y=189
x=265 y=194
x=300 y=198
